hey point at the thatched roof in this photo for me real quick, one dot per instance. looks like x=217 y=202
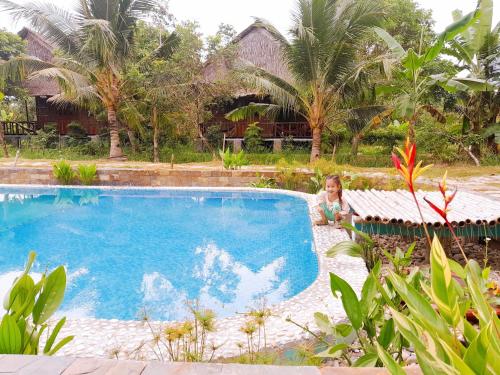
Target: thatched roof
x=260 y=45
x=40 y=48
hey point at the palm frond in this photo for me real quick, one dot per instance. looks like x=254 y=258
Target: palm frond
x=168 y=46
x=281 y=91
x=99 y=41
x=19 y=68
x=253 y=110
x=58 y=26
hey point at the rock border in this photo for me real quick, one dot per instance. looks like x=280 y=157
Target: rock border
x=104 y=338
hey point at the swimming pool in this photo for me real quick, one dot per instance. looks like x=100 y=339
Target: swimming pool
x=130 y=250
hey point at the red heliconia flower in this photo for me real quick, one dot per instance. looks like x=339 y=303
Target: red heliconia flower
x=409 y=170
x=448 y=198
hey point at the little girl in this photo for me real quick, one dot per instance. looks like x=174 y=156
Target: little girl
x=331 y=206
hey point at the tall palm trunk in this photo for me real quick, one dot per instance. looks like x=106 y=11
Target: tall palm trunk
x=316 y=143
x=131 y=137
x=355 y=144
x=115 y=150
x=2 y=142
x=154 y=120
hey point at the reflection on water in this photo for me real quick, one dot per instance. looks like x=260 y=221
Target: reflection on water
x=129 y=249
x=225 y=285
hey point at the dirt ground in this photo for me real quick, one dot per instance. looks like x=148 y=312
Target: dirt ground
x=474 y=249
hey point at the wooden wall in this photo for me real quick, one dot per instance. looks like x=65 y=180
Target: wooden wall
x=47 y=112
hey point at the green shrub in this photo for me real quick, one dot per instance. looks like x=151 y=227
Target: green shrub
x=408 y=310
x=87 y=174
x=265 y=182
x=232 y=160
x=317 y=182
x=45 y=138
x=253 y=138
x=76 y=134
x=64 y=173
x=214 y=136
x=28 y=306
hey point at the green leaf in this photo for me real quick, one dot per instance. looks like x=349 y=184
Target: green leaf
x=456 y=361
x=343 y=329
x=349 y=300
x=442 y=288
x=368 y=293
x=367 y=360
x=389 y=362
x=10 y=337
x=392 y=43
x=449 y=33
x=53 y=335
x=456 y=268
x=412 y=62
x=475 y=355
x=333 y=352
x=419 y=307
x=20 y=294
x=360 y=233
x=350 y=248
x=323 y=323
x=8 y=299
x=60 y=344
x=474 y=283
x=475 y=84
x=386 y=334
x=385 y=89
x=51 y=296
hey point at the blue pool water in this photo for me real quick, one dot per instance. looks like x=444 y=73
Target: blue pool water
x=130 y=250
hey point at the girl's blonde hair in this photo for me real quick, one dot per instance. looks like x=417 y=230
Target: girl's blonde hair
x=336 y=179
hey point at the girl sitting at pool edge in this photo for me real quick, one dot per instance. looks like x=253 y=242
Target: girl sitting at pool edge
x=331 y=206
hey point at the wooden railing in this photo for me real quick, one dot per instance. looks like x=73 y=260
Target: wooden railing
x=269 y=129
x=19 y=127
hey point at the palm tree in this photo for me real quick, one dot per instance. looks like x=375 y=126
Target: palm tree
x=94 y=42
x=477 y=49
x=326 y=38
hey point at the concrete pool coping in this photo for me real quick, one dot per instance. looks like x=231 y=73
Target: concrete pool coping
x=131 y=339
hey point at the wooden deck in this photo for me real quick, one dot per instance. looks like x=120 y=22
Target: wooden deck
x=270 y=130
x=19 y=128
x=43 y=365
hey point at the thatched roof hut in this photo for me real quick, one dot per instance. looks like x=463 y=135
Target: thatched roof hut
x=42 y=89
x=259 y=44
x=40 y=48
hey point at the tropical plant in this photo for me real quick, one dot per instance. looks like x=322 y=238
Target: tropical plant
x=477 y=48
x=28 y=307
x=253 y=138
x=321 y=57
x=413 y=83
x=362 y=120
x=231 y=160
x=63 y=172
x=443 y=340
x=363 y=247
x=94 y=40
x=317 y=182
x=87 y=174
x=265 y=182
x=4 y=117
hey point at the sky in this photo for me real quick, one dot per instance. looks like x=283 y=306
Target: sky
x=239 y=13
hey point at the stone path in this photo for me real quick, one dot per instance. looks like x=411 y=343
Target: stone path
x=121 y=339
x=41 y=365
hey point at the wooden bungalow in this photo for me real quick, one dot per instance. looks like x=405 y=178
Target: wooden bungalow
x=257 y=45
x=42 y=90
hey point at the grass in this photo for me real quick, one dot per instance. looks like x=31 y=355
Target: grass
x=374 y=160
